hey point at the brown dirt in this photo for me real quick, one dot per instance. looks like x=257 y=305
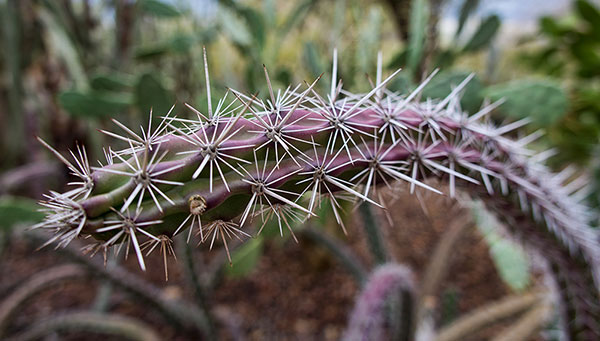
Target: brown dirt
x=297 y=291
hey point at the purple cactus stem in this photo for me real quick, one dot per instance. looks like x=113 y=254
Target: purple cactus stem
x=367 y=318
x=247 y=159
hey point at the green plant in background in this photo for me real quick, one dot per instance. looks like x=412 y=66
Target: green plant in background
x=569 y=51
x=258 y=35
x=510 y=259
x=543 y=101
x=443 y=56
x=16 y=211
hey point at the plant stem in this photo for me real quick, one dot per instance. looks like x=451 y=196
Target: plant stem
x=340 y=251
x=184 y=315
x=113 y=324
x=527 y=325
x=486 y=315
x=42 y=280
x=437 y=266
x=192 y=277
x=12 y=54
x=102 y=300
x=367 y=318
x=372 y=231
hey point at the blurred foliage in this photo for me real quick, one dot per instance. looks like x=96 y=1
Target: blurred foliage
x=158 y=8
x=508 y=256
x=444 y=56
x=442 y=84
x=246 y=257
x=542 y=101
x=14 y=211
x=570 y=51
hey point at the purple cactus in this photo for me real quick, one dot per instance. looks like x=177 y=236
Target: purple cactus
x=367 y=317
x=247 y=159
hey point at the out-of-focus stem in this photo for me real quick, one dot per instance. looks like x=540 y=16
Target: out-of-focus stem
x=41 y=281
x=366 y=319
x=112 y=324
x=182 y=314
x=193 y=278
x=437 y=267
x=340 y=251
x=373 y=233
x=12 y=55
x=488 y=314
x=527 y=325
x=102 y=301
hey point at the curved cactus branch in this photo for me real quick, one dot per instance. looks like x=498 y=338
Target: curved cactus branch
x=41 y=281
x=102 y=323
x=484 y=316
x=526 y=326
x=298 y=149
x=182 y=314
x=340 y=251
x=437 y=266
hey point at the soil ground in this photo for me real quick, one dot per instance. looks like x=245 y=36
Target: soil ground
x=296 y=291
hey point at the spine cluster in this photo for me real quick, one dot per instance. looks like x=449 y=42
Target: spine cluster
x=249 y=159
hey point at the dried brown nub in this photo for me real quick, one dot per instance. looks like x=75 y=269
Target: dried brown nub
x=197 y=204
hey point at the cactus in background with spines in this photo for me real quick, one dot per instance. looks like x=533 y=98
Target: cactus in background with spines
x=249 y=159
x=366 y=321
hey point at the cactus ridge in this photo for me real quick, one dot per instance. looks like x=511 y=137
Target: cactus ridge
x=249 y=158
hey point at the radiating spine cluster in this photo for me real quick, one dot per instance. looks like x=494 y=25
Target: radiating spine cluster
x=280 y=157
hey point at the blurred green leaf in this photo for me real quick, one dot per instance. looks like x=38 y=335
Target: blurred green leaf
x=418 y=24
x=284 y=75
x=93 y=104
x=256 y=25
x=467 y=8
x=110 y=82
x=368 y=40
x=586 y=50
x=234 y=28
x=324 y=213
x=442 y=85
x=295 y=17
x=311 y=59
x=179 y=43
x=15 y=211
x=401 y=83
x=158 y=8
x=543 y=101
x=485 y=33
x=590 y=14
x=255 y=22
x=509 y=257
x=150 y=93
x=511 y=262
x=550 y=26
x=398 y=60
x=64 y=47
x=245 y=258
x=270 y=13
x=445 y=59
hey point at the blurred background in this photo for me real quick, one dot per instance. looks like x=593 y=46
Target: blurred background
x=68 y=66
